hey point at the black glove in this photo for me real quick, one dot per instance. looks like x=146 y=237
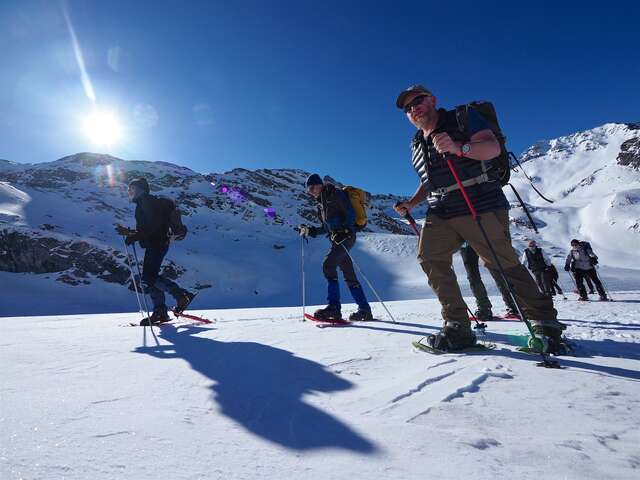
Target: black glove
x=566 y=268
x=130 y=239
x=180 y=234
x=593 y=261
x=339 y=236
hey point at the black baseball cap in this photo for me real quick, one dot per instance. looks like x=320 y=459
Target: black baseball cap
x=412 y=89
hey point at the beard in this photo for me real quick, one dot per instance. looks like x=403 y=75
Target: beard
x=426 y=121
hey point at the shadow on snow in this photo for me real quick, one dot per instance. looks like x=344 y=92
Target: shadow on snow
x=261 y=388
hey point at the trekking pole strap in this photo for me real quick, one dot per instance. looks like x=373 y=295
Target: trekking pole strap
x=529 y=178
x=524 y=207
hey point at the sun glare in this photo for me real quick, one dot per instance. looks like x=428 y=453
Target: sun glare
x=102 y=128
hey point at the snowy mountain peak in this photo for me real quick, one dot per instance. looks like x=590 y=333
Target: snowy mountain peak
x=588 y=140
x=593 y=177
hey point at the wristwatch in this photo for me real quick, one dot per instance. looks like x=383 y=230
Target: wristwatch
x=466 y=148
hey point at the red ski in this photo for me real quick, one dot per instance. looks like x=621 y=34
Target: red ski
x=192 y=317
x=326 y=323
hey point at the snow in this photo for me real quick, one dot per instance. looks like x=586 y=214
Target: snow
x=261 y=394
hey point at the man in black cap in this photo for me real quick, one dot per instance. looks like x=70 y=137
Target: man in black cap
x=153 y=233
x=470 y=144
x=337 y=219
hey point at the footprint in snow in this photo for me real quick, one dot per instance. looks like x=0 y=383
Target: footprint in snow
x=484 y=443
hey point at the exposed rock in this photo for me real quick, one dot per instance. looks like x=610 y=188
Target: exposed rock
x=22 y=252
x=629 y=155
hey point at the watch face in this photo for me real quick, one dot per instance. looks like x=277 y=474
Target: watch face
x=466 y=148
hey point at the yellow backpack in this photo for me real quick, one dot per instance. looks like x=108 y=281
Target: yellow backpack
x=359 y=202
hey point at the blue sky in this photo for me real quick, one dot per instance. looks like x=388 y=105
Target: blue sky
x=301 y=84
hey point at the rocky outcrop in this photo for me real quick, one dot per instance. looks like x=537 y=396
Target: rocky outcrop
x=74 y=260
x=629 y=155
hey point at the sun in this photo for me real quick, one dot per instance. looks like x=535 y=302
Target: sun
x=103 y=128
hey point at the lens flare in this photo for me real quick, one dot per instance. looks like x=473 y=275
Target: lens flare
x=103 y=128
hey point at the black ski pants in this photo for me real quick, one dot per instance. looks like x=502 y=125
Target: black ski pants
x=338 y=257
x=590 y=274
x=155 y=283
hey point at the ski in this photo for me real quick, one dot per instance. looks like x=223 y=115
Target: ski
x=191 y=316
x=480 y=347
x=327 y=323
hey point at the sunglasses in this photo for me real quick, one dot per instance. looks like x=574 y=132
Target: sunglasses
x=414 y=103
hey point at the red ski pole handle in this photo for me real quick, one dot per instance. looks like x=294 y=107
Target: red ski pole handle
x=410 y=219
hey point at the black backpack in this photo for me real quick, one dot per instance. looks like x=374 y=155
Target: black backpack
x=173 y=218
x=501 y=165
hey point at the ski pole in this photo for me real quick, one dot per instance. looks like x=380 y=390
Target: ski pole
x=302 y=239
x=144 y=299
x=133 y=278
x=545 y=361
x=369 y=283
x=604 y=287
x=407 y=216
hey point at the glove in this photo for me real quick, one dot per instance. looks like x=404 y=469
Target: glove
x=130 y=239
x=124 y=231
x=307 y=231
x=181 y=234
x=593 y=261
x=566 y=268
x=341 y=235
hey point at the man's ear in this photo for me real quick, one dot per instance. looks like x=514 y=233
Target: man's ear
x=434 y=100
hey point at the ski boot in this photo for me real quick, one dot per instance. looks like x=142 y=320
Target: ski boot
x=330 y=312
x=158 y=316
x=603 y=298
x=583 y=299
x=183 y=302
x=453 y=336
x=483 y=315
x=361 y=316
x=548 y=338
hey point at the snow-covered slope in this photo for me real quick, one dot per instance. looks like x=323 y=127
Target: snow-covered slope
x=262 y=395
x=57 y=238
x=57 y=241
x=594 y=179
